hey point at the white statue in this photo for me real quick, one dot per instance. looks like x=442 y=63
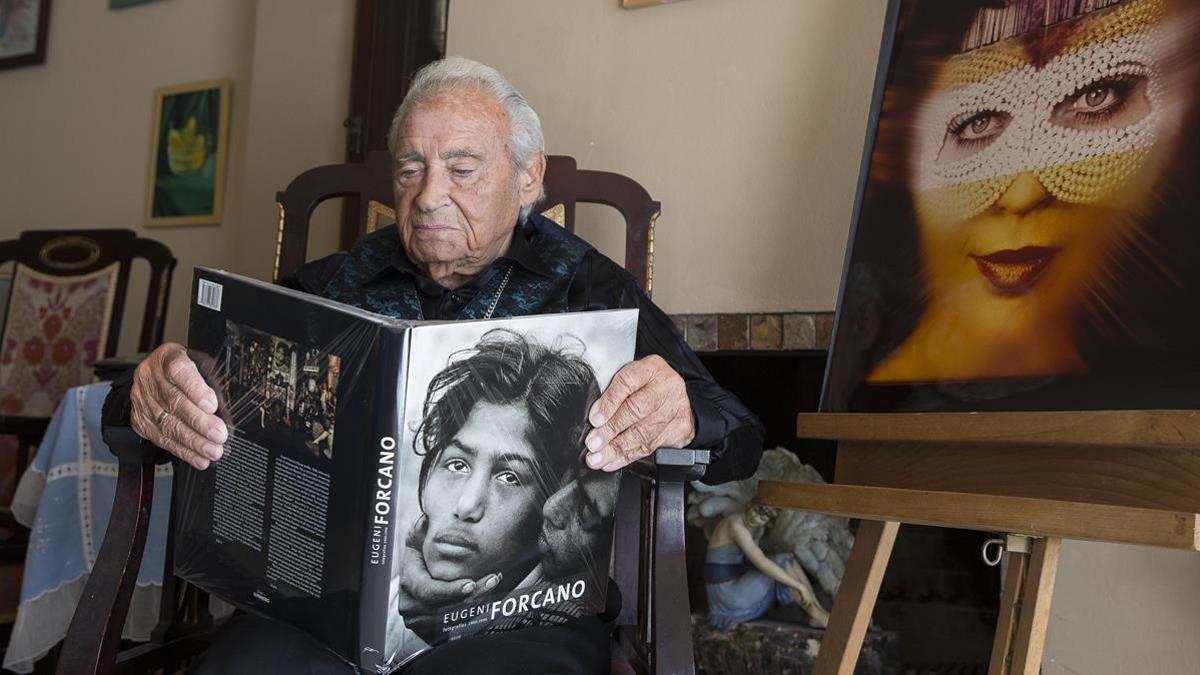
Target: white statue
x=782 y=556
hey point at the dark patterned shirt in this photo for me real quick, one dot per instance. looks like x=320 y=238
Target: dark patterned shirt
x=549 y=270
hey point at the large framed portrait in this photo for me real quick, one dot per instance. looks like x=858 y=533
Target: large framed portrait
x=1027 y=226
x=188 y=154
x=24 y=27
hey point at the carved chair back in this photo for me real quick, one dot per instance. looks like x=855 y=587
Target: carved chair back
x=371 y=183
x=65 y=307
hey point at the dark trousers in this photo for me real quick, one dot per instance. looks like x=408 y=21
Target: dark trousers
x=256 y=646
x=253 y=645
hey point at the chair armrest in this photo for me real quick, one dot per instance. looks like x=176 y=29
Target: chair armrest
x=650 y=564
x=27 y=427
x=693 y=462
x=29 y=432
x=95 y=631
x=671 y=613
x=133 y=449
x=112 y=367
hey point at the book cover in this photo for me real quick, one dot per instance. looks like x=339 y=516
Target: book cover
x=375 y=466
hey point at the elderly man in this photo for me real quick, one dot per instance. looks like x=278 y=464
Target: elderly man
x=469 y=160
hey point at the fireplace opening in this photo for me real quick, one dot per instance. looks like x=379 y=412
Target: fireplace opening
x=938 y=597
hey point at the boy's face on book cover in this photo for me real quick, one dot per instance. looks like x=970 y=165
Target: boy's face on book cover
x=482 y=498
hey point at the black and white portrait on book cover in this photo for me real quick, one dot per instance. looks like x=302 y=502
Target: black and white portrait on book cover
x=495 y=416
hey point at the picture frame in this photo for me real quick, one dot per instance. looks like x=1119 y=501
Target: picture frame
x=638 y=4
x=1021 y=239
x=125 y=4
x=189 y=152
x=24 y=28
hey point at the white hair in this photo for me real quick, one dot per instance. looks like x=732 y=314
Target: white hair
x=456 y=73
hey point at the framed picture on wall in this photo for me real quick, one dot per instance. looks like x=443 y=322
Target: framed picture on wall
x=24 y=25
x=188 y=154
x=122 y=4
x=635 y=4
x=1025 y=234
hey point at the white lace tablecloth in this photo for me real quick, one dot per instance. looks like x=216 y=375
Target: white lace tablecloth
x=65 y=498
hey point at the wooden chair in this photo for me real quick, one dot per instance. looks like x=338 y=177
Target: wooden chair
x=64 y=312
x=655 y=621
x=371 y=184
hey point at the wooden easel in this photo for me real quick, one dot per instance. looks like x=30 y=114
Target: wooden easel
x=1129 y=477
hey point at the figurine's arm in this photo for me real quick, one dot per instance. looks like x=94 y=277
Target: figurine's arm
x=745 y=541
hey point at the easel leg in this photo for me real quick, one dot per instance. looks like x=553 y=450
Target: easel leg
x=856 y=598
x=1025 y=610
x=1010 y=602
x=1035 y=607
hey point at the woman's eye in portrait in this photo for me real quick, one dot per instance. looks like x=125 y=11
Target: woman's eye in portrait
x=1108 y=103
x=971 y=132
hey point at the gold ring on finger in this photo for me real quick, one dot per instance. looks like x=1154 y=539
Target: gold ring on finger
x=161 y=416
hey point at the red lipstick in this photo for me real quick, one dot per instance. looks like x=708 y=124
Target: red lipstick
x=1015 y=271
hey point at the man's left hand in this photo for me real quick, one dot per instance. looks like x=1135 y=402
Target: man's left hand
x=645 y=408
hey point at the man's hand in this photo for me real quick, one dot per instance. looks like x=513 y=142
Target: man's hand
x=421 y=594
x=173 y=408
x=645 y=408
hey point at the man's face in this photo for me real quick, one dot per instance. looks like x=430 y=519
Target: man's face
x=482 y=497
x=457 y=192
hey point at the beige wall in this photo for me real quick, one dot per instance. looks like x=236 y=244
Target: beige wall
x=748 y=223
x=301 y=94
x=77 y=130
x=76 y=139
x=1120 y=610
x=744 y=118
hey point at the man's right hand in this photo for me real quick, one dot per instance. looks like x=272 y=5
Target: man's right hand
x=173 y=408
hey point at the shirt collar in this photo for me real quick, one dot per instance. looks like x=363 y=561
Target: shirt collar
x=523 y=250
x=380 y=251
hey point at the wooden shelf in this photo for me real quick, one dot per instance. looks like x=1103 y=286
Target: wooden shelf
x=1097 y=428
x=991 y=513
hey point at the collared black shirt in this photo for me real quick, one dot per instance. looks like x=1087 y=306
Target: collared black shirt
x=547 y=270
x=439 y=303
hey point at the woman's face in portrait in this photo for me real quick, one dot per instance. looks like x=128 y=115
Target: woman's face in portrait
x=483 y=498
x=1033 y=162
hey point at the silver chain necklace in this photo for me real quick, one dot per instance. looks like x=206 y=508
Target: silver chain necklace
x=499 y=291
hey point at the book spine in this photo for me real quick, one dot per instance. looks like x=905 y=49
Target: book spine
x=382 y=501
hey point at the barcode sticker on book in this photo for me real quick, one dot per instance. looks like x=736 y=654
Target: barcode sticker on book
x=209 y=295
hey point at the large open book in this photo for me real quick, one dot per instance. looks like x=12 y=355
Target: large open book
x=375 y=466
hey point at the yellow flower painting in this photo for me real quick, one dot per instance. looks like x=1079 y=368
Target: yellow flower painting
x=188 y=154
